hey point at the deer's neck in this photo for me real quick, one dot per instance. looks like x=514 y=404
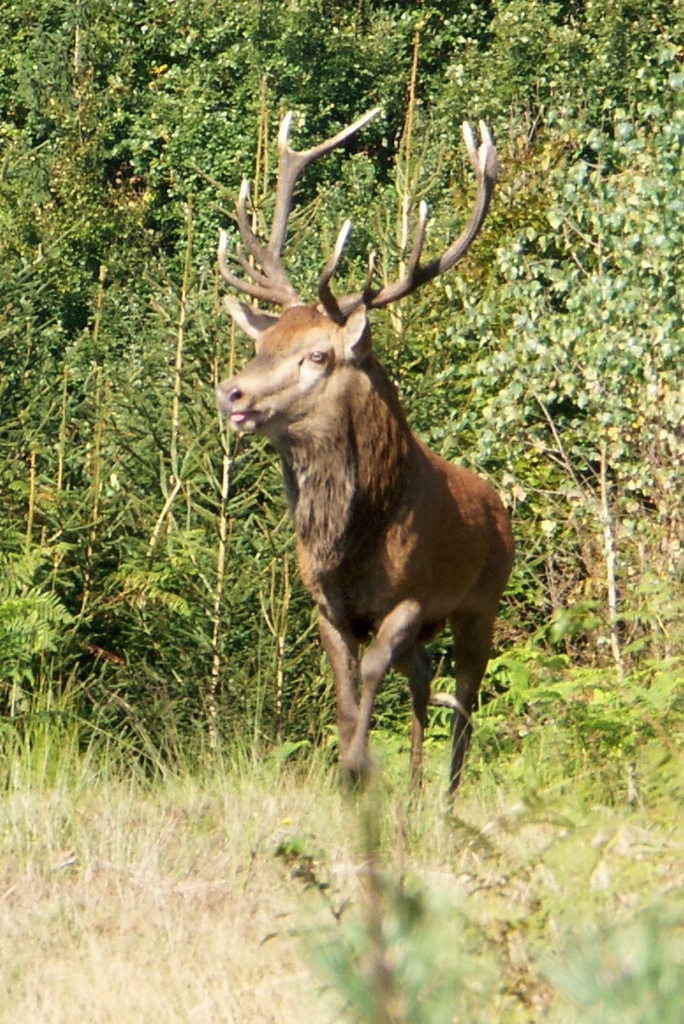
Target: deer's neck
x=346 y=473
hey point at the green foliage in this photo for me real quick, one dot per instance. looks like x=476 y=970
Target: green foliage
x=159 y=586
x=151 y=616
x=399 y=965
x=547 y=904
x=555 y=903
x=630 y=973
x=32 y=620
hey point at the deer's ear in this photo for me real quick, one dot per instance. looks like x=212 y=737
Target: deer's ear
x=356 y=335
x=253 y=321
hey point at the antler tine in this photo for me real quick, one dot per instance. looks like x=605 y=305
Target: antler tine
x=266 y=293
x=348 y=303
x=248 y=236
x=269 y=282
x=419 y=238
x=249 y=268
x=489 y=158
x=291 y=165
x=339 y=309
x=328 y=300
x=484 y=160
x=272 y=278
x=486 y=166
x=471 y=146
x=368 y=283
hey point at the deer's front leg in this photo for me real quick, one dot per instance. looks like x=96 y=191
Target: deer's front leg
x=342 y=651
x=396 y=635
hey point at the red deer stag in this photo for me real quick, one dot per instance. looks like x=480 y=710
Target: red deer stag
x=392 y=540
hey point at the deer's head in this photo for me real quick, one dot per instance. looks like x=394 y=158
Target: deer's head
x=304 y=360
x=308 y=358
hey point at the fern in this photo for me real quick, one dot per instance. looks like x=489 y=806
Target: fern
x=32 y=623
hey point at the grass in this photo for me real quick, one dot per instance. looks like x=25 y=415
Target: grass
x=121 y=900
x=257 y=892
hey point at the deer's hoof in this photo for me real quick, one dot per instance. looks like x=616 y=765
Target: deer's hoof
x=356 y=771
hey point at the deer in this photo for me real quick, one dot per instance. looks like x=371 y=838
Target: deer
x=392 y=540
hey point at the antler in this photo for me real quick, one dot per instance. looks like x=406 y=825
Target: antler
x=486 y=166
x=268 y=280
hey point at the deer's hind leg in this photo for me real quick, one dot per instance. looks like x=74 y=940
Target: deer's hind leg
x=472 y=647
x=416 y=665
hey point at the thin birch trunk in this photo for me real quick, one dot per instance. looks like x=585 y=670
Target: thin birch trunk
x=175 y=483
x=610 y=556
x=405 y=183
x=98 y=433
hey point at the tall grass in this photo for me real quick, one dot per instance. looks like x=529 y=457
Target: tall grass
x=226 y=887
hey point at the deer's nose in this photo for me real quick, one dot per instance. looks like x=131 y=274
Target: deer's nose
x=227 y=394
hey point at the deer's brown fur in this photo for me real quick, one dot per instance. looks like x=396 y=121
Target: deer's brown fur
x=392 y=540
x=382 y=522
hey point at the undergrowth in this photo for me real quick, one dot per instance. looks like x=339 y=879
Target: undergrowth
x=551 y=891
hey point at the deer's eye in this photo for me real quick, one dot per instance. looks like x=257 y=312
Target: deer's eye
x=318 y=357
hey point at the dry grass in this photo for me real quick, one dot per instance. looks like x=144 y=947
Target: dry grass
x=166 y=904
x=125 y=901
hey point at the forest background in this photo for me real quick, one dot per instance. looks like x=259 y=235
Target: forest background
x=153 y=629
x=149 y=589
